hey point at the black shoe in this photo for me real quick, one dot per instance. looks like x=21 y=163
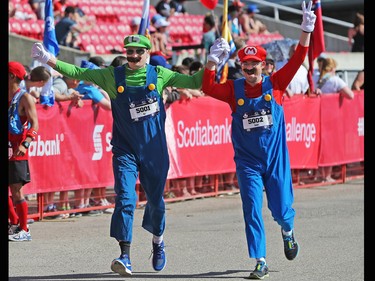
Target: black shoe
x=291 y=248
x=260 y=271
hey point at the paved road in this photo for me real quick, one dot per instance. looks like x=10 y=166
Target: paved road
x=205 y=240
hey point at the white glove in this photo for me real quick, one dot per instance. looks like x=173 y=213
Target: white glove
x=308 y=18
x=39 y=53
x=219 y=51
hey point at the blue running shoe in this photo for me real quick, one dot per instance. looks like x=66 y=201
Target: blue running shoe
x=159 y=259
x=291 y=247
x=260 y=271
x=122 y=265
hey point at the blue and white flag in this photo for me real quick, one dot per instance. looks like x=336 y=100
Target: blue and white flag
x=47 y=95
x=145 y=20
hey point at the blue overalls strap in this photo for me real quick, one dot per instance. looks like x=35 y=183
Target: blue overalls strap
x=266 y=84
x=239 y=86
x=120 y=76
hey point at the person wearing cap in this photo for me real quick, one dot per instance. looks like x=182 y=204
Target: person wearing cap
x=139 y=144
x=160 y=39
x=134 y=25
x=269 y=67
x=250 y=24
x=22 y=130
x=259 y=138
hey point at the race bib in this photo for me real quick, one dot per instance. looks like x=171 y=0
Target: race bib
x=257 y=120
x=144 y=109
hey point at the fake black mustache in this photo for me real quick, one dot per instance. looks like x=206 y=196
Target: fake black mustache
x=134 y=59
x=249 y=71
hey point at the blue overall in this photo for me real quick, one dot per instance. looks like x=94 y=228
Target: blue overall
x=139 y=146
x=262 y=160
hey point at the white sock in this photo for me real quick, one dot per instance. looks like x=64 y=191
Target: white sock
x=287 y=233
x=262 y=259
x=157 y=239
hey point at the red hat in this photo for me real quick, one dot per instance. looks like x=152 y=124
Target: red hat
x=17 y=69
x=256 y=53
x=238 y=3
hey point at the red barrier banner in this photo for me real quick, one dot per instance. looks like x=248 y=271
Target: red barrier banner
x=302 y=117
x=73 y=150
x=199 y=138
x=342 y=126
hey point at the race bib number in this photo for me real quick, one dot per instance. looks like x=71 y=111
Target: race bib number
x=144 y=110
x=257 y=120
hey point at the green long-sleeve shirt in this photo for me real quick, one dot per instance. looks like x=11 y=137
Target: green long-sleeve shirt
x=105 y=77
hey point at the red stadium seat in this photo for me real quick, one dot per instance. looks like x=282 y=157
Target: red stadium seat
x=108 y=48
x=85 y=38
x=37 y=32
x=15 y=26
x=94 y=38
x=99 y=49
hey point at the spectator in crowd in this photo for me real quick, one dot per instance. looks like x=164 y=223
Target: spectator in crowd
x=209 y=35
x=329 y=82
x=178 y=7
x=64 y=90
x=250 y=24
x=22 y=129
x=37 y=78
x=359 y=81
x=59 y=9
x=134 y=25
x=234 y=24
x=270 y=67
x=119 y=60
x=158 y=58
x=163 y=8
x=187 y=61
x=299 y=83
x=38 y=7
x=138 y=139
x=257 y=168
x=160 y=39
x=356 y=34
x=68 y=28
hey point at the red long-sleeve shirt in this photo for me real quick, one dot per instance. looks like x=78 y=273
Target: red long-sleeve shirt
x=280 y=80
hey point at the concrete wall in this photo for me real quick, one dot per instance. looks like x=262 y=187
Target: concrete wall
x=20 y=50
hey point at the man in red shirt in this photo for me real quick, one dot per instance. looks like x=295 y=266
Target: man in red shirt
x=22 y=130
x=259 y=138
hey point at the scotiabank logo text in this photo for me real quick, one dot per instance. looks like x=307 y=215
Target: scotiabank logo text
x=41 y=147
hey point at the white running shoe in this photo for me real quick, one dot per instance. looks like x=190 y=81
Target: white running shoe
x=20 y=235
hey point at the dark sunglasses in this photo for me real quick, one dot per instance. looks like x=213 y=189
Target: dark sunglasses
x=138 y=51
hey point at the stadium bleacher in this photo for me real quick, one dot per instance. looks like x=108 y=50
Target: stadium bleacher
x=112 y=24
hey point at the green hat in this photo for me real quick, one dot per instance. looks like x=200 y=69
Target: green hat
x=137 y=40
